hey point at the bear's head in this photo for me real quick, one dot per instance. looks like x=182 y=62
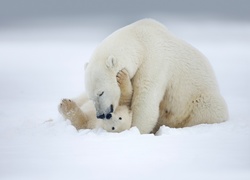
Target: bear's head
x=101 y=85
x=118 y=121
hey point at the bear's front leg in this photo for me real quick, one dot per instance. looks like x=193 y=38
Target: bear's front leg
x=125 y=87
x=145 y=108
x=72 y=112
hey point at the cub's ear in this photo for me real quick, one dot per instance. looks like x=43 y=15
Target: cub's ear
x=111 y=62
x=85 y=66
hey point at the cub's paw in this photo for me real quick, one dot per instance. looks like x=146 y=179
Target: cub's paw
x=122 y=77
x=67 y=108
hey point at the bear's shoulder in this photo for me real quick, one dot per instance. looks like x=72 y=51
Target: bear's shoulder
x=148 y=22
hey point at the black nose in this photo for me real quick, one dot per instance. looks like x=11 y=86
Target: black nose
x=108 y=116
x=102 y=116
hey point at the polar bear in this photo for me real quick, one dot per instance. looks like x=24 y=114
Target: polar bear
x=84 y=117
x=173 y=83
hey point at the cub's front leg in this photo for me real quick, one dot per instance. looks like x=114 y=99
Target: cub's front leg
x=125 y=87
x=72 y=112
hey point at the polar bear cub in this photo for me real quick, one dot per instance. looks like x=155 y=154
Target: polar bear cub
x=84 y=116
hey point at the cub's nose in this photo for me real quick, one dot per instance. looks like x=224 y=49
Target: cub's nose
x=108 y=116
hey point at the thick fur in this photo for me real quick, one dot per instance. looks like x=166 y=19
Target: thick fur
x=173 y=82
x=82 y=113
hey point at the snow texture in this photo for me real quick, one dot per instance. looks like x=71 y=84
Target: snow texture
x=41 y=65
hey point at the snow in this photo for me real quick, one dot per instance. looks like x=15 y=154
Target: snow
x=41 y=65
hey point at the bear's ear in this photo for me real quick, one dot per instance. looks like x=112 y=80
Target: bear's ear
x=85 y=66
x=111 y=62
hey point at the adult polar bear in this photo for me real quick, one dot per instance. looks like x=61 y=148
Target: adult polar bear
x=173 y=82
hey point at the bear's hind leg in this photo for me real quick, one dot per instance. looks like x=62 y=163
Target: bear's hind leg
x=71 y=111
x=208 y=109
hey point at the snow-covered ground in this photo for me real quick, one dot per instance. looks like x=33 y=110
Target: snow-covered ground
x=40 y=65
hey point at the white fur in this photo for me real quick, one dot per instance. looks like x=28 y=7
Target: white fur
x=121 y=119
x=83 y=116
x=173 y=82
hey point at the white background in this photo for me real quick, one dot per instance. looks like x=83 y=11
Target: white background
x=41 y=64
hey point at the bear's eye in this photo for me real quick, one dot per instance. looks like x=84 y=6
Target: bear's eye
x=120 y=118
x=113 y=128
x=101 y=93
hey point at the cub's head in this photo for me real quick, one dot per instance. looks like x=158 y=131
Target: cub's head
x=118 y=121
x=101 y=85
